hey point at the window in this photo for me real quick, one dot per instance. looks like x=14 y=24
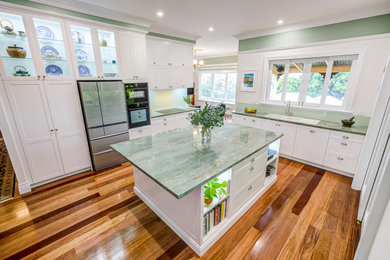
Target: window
x=310 y=81
x=218 y=85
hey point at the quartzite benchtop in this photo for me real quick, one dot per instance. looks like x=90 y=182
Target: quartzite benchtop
x=178 y=162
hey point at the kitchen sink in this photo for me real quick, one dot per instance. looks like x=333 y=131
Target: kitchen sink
x=293 y=119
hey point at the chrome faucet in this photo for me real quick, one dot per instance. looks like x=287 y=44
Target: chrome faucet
x=288 y=106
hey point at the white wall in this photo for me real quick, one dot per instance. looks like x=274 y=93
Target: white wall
x=375 y=55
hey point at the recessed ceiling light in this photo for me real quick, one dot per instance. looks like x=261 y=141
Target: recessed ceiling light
x=211 y=29
x=160 y=14
x=280 y=21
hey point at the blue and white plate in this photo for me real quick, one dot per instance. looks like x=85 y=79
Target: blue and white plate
x=53 y=70
x=84 y=70
x=78 y=37
x=81 y=55
x=48 y=51
x=44 y=32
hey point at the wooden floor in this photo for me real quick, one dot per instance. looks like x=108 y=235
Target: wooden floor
x=308 y=213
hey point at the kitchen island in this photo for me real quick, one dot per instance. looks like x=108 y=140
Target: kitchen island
x=171 y=169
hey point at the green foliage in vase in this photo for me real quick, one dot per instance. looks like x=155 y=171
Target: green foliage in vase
x=208 y=117
x=187 y=99
x=214 y=188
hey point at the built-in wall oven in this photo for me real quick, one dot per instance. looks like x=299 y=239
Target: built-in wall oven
x=137 y=99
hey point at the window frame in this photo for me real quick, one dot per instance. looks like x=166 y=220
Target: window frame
x=212 y=98
x=330 y=57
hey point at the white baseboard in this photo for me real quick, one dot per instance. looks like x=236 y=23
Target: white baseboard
x=24 y=187
x=34 y=185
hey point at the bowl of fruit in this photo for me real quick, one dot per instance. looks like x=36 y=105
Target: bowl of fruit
x=250 y=110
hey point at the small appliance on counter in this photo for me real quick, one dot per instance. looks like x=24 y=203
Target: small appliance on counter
x=105 y=116
x=137 y=99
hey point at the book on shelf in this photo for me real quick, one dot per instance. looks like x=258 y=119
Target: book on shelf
x=214 y=216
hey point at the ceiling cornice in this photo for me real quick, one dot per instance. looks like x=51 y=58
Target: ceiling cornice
x=94 y=10
x=352 y=15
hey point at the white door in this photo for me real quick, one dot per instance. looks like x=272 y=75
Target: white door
x=161 y=53
x=310 y=144
x=69 y=128
x=31 y=112
x=186 y=56
x=138 y=55
x=125 y=50
x=288 y=139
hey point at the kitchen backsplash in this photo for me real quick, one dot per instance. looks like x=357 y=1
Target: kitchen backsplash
x=167 y=98
x=324 y=115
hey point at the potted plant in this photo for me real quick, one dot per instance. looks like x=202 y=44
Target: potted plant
x=188 y=101
x=207 y=118
x=214 y=189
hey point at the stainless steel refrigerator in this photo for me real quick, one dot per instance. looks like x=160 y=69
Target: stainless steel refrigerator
x=105 y=118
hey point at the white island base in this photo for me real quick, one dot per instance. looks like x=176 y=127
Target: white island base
x=247 y=182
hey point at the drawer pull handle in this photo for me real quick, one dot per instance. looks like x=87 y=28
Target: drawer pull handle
x=344 y=143
x=312 y=131
x=165 y=123
x=253 y=120
x=139 y=131
x=252 y=168
x=345 y=137
x=250 y=187
x=253 y=159
x=277 y=124
x=340 y=158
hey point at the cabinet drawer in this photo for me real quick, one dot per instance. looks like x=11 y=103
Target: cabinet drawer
x=246 y=193
x=343 y=147
x=251 y=171
x=250 y=160
x=112 y=129
x=340 y=162
x=140 y=132
x=347 y=136
x=108 y=159
x=103 y=144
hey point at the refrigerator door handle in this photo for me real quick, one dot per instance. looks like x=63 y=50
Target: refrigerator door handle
x=102 y=152
x=106 y=136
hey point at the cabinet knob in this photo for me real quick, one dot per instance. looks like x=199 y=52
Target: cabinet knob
x=345 y=137
x=252 y=168
x=340 y=158
x=277 y=124
x=56 y=130
x=169 y=64
x=312 y=131
x=139 y=131
x=253 y=159
x=51 y=130
x=154 y=62
x=39 y=76
x=250 y=187
x=344 y=143
x=165 y=123
x=44 y=76
x=170 y=86
x=253 y=120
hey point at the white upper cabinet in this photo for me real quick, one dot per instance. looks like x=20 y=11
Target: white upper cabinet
x=169 y=64
x=108 y=53
x=132 y=48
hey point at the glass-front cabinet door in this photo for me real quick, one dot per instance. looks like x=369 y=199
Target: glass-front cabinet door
x=15 y=51
x=52 y=48
x=108 y=54
x=83 y=52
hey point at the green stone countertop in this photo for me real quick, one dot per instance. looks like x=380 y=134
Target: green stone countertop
x=355 y=129
x=178 y=162
x=154 y=114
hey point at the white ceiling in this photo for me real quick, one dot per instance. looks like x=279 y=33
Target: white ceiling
x=191 y=19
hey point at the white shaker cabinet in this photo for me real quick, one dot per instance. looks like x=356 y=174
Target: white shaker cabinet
x=310 y=144
x=50 y=126
x=288 y=139
x=65 y=109
x=36 y=129
x=133 y=55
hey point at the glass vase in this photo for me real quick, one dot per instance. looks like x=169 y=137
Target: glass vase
x=206 y=135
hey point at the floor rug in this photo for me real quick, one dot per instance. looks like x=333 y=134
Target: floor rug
x=7 y=174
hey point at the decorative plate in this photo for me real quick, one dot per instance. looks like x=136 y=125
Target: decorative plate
x=44 y=32
x=48 y=51
x=53 y=70
x=78 y=37
x=84 y=70
x=81 y=55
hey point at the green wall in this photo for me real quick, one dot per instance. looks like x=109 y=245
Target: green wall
x=75 y=14
x=220 y=60
x=355 y=28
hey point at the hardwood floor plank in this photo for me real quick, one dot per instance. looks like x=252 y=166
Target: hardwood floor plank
x=307 y=213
